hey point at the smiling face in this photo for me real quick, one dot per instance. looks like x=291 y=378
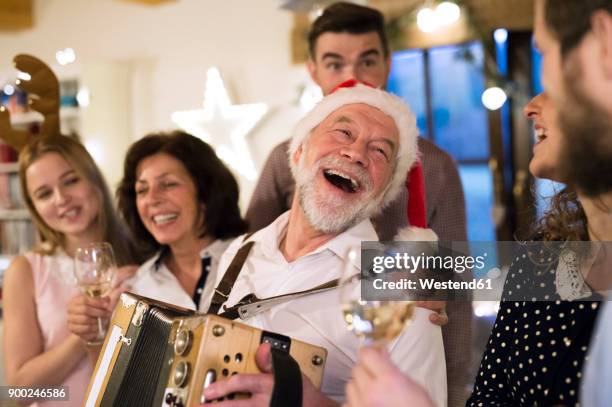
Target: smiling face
x=547 y=144
x=343 y=56
x=65 y=200
x=346 y=167
x=167 y=200
x=578 y=82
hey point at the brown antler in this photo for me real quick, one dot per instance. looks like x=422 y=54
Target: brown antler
x=43 y=89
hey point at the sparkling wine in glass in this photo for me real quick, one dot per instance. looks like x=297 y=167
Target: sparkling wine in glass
x=95 y=269
x=374 y=322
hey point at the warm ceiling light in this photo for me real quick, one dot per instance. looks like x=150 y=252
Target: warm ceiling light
x=445 y=14
x=427 y=21
x=448 y=13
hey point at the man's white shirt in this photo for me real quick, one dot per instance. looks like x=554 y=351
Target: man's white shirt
x=317 y=319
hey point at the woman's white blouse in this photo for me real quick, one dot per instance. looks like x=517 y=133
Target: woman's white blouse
x=154 y=280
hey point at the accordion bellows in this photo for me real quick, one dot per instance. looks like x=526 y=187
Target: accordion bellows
x=156 y=354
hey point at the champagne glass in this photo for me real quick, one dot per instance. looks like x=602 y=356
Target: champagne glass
x=374 y=322
x=95 y=269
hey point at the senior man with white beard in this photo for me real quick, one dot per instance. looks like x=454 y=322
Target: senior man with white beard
x=349 y=157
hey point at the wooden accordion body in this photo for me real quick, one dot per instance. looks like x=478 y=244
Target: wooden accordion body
x=156 y=354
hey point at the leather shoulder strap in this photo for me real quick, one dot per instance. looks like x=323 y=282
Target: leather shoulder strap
x=250 y=305
x=223 y=290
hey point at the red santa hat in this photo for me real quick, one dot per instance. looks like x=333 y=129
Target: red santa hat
x=407 y=160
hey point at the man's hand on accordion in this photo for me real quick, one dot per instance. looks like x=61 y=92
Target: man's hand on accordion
x=260 y=386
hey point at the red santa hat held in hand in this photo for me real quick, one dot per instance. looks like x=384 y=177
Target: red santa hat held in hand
x=407 y=160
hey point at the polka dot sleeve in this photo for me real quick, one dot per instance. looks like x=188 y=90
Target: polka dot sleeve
x=536 y=349
x=491 y=380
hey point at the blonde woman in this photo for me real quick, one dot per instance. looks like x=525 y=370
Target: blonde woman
x=70 y=206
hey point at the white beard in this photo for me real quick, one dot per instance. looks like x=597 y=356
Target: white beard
x=329 y=213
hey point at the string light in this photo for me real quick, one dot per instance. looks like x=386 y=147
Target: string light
x=500 y=35
x=494 y=97
x=8 y=90
x=219 y=119
x=65 y=56
x=445 y=14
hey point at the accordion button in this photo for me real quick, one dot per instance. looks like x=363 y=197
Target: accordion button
x=181 y=373
x=170 y=398
x=183 y=341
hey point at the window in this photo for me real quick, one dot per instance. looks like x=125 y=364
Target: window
x=443 y=86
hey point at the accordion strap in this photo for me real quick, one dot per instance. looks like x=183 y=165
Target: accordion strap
x=222 y=291
x=250 y=305
x=287 y=389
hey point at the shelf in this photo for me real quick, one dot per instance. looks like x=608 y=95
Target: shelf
x=70 y=112
x=9 y=167
x=14 y=214
x=66 y=113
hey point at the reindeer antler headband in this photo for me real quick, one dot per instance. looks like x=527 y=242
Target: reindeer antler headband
x=43 y=90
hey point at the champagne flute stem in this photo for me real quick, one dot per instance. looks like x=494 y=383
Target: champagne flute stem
x=101 y=332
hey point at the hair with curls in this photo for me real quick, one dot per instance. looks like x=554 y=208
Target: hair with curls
x=112 y=230
x=216 y=187
x=349 y=18
x=565 y=220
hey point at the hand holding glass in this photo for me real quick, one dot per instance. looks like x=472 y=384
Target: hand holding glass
x=95 y=269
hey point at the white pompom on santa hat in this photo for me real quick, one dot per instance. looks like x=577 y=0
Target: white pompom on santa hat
x=407 y=160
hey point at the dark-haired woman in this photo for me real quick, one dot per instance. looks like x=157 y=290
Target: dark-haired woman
x=538 y=344
x=181 y=201
x=537 y=348
x=181 y=204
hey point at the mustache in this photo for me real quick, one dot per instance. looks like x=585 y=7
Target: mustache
x=356 y=171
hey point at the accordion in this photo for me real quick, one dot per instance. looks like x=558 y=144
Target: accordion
x=156 y=354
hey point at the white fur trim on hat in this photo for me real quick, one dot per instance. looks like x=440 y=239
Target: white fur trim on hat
x=384 y=101
x=415 y=234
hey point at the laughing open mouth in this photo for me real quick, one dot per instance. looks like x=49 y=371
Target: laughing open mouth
x=165 y=218
x=540 y=134
x=341 y=180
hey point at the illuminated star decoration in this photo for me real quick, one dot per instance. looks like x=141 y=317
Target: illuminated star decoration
x=311 y=95
x=220 y=118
